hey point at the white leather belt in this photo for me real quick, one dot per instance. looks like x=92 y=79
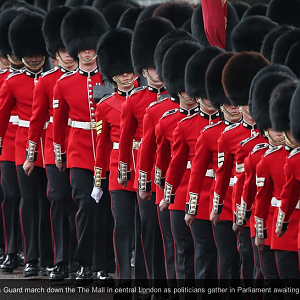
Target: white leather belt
x=232 y=181
x=189 y=165
x=23 y=123
x=48 y=122
x=82 y=125
x=135 y=145
x=275 y=202
x=14 y=120
x=298 y=205
x=210 y=173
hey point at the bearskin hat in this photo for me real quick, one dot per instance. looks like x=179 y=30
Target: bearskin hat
x=295 y=114
x=248 y=35
x=259 y=101
x=292 y=59
x=6 y=19
x=101 y=4
x=174 y=63
x=177 y=12
x=240 y=8
x=52 y=29
x=187 y=26
x=74 y=3
x=115 y=60
x=213 y=80
x=285 y=12
x=54 y=3
x=129 y=17
x=41 y=4
x=26 y=36
x=238 y=74
x=114 y=11
x=256 y=10
x=88 y=2
x=147 y=12
x=165 y=44
x=196 y=69
x=144 y=41
x=197 y=25
x=81 y=29
x=283 y=44
x=280 y=104
x=270 y=39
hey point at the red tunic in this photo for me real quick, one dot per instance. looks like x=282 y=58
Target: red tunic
x=227 y=146
x=42 y=112
x=73 y=98
x=148 y=147
x=132 y=115
x=185 y=136
x=17 y=91
x=270 y=180
x=108 y=114
x=290 y=193
x=207 y=155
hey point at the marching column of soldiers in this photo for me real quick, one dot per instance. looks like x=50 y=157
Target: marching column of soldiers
x=152 y=146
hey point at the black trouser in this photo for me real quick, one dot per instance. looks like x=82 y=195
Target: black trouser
x=10 y=205
x=104 y=258
x=60 y=196
x=184 y=247
x=258 y=274
x=152 y=240
x=35 y=216
x=82 y=182
x=270 y=272
x=288 y=268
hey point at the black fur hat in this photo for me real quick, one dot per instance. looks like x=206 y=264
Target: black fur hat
x=285 y=12
x=295 y=113
x=196 y=69
x=81 y=29
x=240 y=7
x=248 y=35
x=292 y=59
x=144 y=41
x=174 y=64
x=147 y=12
x=283 y=44
x=280 y=104
x=256 y=10
x=74 y=3
x=213 y=80
x=113 y=59
x=187 y=26
x=114 y=11
x=165 y=44
x=260 y=101
x=270 y=39
x=197 y=26
x=22 y=4
x=52 y=29
x=6 y=19
x=129 y=17
x=177 y=12
x=54 y=3
x=26 y=36
x=101 y=4
x=41 y=4
x=238 y=74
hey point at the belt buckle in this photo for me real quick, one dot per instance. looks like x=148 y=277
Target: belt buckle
x=93 y=125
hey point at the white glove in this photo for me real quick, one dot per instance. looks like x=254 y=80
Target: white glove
x=97 y=193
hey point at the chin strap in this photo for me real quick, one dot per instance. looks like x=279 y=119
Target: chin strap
x=63 y=62
x=87 y=60
x=272 y=141
x=133 y=78
x=227 y=113
x=38 y=67
x=14 y=62
x=149 y=76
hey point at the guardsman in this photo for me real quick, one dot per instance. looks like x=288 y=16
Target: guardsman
x=116 y=65
x=236 y=82
x=28 y=44
x=183 y=150
x=59 y=189
x=206 y=154
x=270 y=181
x=145 y=38
x=10 y=184
x=73 y=98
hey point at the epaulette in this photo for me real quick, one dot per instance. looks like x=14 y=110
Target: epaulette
x=105 y=97
x=163 y=97
x=211 y=125
x=231 y=127
x=14 y=74
x=272 y=150
x=245 y=141
x=169 y=112
x=3 y=71
x=294 y=152
x=137 y=90
x=259 y=147
x=67 y=75
x=49 y=72
x=156 y=102
x=189 y=117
